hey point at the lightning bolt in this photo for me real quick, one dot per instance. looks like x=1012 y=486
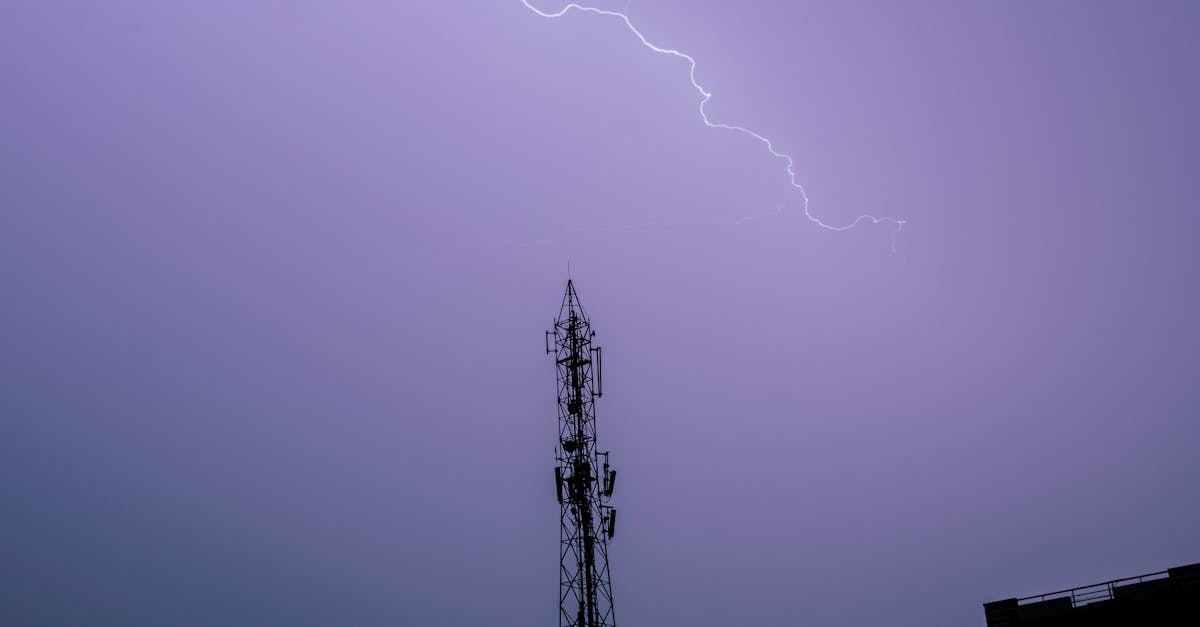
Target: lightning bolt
x=705 y=96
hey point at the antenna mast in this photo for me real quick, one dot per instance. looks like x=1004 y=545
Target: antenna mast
x=583 y=477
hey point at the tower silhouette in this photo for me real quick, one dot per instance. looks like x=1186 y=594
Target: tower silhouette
x=582 y=476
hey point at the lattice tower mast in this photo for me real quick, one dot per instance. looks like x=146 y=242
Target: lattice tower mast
x=583 y=477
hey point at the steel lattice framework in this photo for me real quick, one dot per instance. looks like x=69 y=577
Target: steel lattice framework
x=583 y=477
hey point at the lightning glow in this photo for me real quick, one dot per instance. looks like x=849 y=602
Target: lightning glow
x=705 y=96
x=630 y=227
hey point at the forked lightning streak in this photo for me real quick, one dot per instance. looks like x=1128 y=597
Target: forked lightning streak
x=705 y=96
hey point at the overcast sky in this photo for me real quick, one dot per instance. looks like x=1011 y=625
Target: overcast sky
x=274 y=278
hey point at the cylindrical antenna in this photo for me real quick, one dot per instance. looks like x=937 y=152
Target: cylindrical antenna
x=599 y=370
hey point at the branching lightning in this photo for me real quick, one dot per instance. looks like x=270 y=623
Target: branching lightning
x=705 y=96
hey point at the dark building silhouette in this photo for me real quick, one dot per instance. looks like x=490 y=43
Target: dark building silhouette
x=1167 y=598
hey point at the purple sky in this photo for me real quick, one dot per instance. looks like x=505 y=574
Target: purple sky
x=275 y=276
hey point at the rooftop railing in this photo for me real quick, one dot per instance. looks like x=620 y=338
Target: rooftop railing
x=1093 y=593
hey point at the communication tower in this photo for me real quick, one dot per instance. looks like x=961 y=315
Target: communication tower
x=582 y=476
